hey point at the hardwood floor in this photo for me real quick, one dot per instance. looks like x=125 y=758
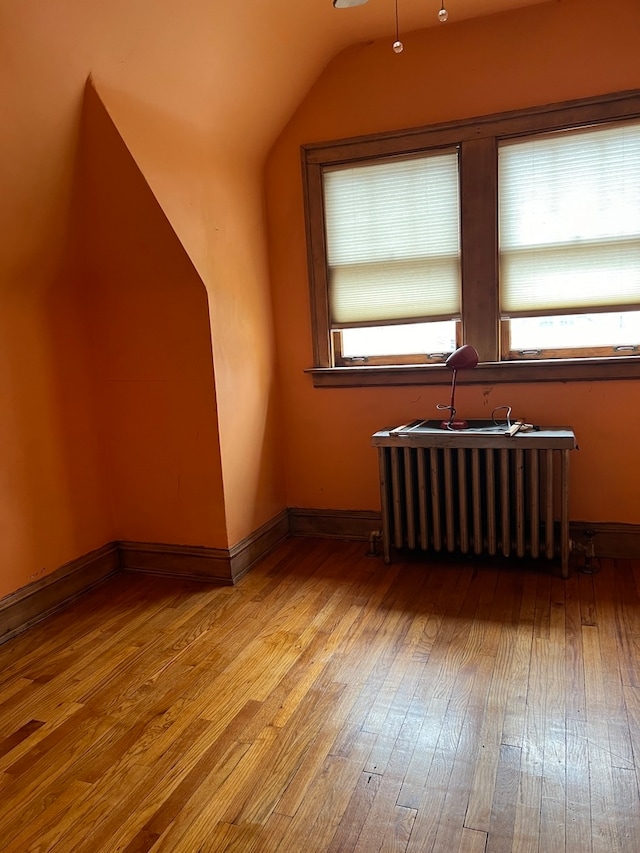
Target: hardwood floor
x=329 y=703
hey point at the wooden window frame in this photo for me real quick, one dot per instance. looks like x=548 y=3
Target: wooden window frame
x=478 y=139
x=340 y=360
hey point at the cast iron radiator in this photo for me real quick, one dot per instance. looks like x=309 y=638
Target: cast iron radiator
x=452 y=492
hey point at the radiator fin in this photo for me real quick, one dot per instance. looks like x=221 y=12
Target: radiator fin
x=473 y=500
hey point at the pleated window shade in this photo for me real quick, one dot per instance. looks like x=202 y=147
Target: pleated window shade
x=569 y=221
x=393 y=241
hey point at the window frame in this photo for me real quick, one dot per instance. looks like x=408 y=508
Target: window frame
x=477 y=139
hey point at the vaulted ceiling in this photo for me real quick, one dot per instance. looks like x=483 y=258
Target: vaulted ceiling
x=207 y=61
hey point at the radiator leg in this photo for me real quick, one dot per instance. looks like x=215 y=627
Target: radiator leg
x=384 y=500
x=374 y=538
x=564 y=509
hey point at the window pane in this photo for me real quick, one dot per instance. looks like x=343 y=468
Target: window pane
x=407 y=339
x=576 y=331
x=569 y=215
x=393 y=240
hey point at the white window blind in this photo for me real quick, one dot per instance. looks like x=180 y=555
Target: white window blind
x=569 y=221
x=393 y=241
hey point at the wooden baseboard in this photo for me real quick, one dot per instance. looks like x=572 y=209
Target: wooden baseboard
x=190 y=562
x=23 y=608
x=258 y=544
x=334 y=523
x=34 y=602
x=609 y=539
x=217 y=565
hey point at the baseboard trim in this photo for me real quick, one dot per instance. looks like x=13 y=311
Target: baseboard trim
x=27 y=606
x=34 y=602
x=244 y=555
x=334 y=523
x=189 y=562
x=21 y=609
x=199 y=563
x=609 y=538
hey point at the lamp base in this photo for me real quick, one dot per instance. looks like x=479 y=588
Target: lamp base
x=454 y=424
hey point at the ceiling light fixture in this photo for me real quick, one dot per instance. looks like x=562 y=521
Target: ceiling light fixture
x=398 y=47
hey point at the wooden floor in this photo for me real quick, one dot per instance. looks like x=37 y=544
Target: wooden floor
x=329 y=703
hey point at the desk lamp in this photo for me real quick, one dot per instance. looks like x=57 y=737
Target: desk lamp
x=464 y=358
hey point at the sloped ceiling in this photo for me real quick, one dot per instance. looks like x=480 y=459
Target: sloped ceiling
x=238 y=70
x=229 y=73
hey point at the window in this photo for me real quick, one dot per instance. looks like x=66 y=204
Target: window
x=569 y=238
x=393 y=257
x=518 y=233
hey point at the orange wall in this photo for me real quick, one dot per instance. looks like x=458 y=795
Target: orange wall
x=212 y=199
x=202 y=97
x=537 y=55
x=86 y=458
x=54 y=503
x=147 y=311
x=197 y=100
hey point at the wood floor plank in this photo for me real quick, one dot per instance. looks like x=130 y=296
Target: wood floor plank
x=500 y=835
x=329 y=702
x=578 y=801
x=554 y=761
x=527 y=825
x=482 y=786
x=43 y=827
x=625 y=788
x=627 y=623
x=195 y=753
x=632 y=705
x=603 y=814
x=333 y=801
x=574 y=658
x=437 y=783
x=227 y=785
x=612 y=675
x=57 y=717
x=13 y=688
x=454 y=807
x=473 y=841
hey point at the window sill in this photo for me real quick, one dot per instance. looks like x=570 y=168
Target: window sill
x=486 y=373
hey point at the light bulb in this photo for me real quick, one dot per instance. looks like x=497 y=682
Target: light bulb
x=398 y=47
x=443 y=15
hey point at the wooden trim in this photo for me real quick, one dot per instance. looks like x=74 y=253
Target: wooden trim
x=316 y=261
x=199 y=563
x=385 y=360
x=492 y=373
x=514 y=123
x=434 y=357
x=479 y=212
x=334 y=523
x=34 y=602
x=575 y=352
x=609 y=538
x=190 y=562
x=21 y=609
x=258 y=544
x=510 y=354
x=29 y=605
x=478 y=140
